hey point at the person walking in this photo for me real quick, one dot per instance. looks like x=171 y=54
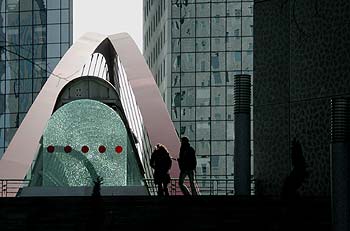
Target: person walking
x=161 y=163
x=187 y=164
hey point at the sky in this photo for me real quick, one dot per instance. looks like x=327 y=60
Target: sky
x=108 y=17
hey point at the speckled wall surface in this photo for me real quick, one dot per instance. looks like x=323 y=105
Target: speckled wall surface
x=301 y=60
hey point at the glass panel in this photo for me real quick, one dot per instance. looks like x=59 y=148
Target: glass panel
x=53 y=50
x=188 y=10
x=188 y=79
x=64 y=48
x=25 y=85
x=234 y=9
x=188 y=114
x=25 y=5
x=175 y=45
x=202 y=44
x=203 y=113
x=233 y=60
x=203 y=96
x=175 y=80
x=9 y=133
x=203 y=27
x=218 y=78
x=187 y=62
x=26 y=35
x=203 y=10
x=218 y=44
x=218 y=130
x=188 y=96
x=26 y=18
x=247 y=62
x=202 y=79
x=99 y=125
x=203 y=131
x=64 y=3
x=218 y=147
x=175 y=27
x=53 y=33
x=218 y=9
x=247 y=26
x=53 y=4
x=188 y=129
x=247 y=8
x=187 y=28
x=218 y=113
x=65 y=33
x=218 y=165
x=202 y=62
x=12 y=19
x=53 y=16
x=218 y=95
x=234 y=26
x=25 y=101
x=188 y=45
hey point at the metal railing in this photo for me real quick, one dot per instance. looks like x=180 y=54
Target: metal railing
x=11 y=187
x=204 y=186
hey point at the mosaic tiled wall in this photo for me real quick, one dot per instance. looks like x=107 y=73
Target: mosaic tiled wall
x=301 y=60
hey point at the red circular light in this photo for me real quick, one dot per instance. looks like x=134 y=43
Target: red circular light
x=102 y=149
x=85 y=149
x=119 y=149
x=68 y=149
x=50 y=149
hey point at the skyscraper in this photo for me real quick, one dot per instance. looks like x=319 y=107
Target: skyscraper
x=34 y=35
x=194 y=48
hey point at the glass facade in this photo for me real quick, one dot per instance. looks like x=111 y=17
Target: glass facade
x=34 y=35
x=194 y=48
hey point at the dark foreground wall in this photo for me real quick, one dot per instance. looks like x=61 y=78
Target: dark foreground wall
x=162 y=213
x=301 y=60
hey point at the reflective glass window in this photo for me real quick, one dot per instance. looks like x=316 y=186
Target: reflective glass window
x=53 y=16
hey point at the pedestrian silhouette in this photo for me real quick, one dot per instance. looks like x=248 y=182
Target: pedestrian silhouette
x=298 y=174
x=161 y=163
x=187 y=164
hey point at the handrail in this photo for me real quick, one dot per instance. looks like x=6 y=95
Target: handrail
x=11 y=187
x=205 y=186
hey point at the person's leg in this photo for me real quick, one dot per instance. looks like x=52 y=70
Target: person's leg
x=193 y=187
x=165 y=189
x=181 y=183
x=160 y=189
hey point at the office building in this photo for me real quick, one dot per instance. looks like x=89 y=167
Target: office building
x=194 y=48
x=34 y=35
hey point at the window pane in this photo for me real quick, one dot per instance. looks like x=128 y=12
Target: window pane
x=53 y=33
x=53 y=16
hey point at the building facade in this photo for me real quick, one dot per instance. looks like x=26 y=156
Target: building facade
x=34 y=35
x=194 y=48
x=301 y=63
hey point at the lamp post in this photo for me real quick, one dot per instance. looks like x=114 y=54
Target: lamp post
x=340 y=151
x=242 y=153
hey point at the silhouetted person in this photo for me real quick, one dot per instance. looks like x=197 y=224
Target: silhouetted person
x=96 y=217
x=161 y=163
x=96 y=191
x=187 y=164
x=298 y=174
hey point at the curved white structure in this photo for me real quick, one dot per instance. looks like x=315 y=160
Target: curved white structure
x=125 y=69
